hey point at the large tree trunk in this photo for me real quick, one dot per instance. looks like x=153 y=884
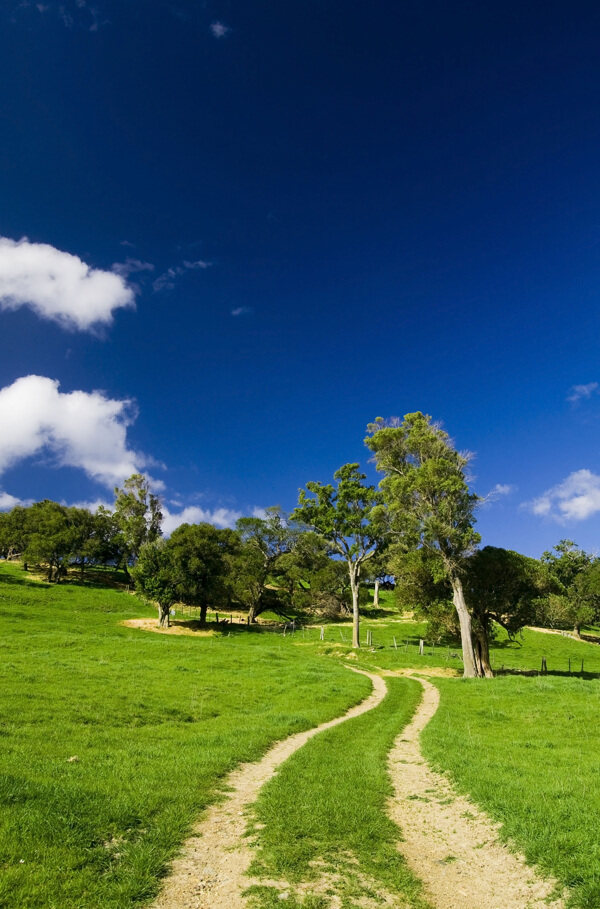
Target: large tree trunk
x=376 y=593
x=164 y=616
x=466 y=637
x=577 y=629
x=354 y=580
x=203 y=610
x=482 y=654
x=252 y=614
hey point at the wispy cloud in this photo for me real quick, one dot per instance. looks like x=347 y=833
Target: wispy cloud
x=242 y=311
x=219 y=29
x=499 y=490
x=582 y=392
x=574 y=499
x=59 y=286
x=79 y=14
x=86 y=430
x=131 y=267
x=168 y=279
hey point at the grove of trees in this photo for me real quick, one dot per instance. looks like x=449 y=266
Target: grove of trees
x=417 y=527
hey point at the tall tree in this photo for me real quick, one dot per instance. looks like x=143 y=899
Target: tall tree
x=348 y=516
x=429 y=502
x=138 y=516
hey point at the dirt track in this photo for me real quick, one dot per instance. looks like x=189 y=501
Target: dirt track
x=450 y=844
x=211 y=870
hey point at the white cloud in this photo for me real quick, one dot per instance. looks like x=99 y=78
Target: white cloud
x=502 y=489
x=59 y=286
x=220 y=517
x=241 y=311
x=7 y=501
x=167 y=280
x=582 y=392
x=79 y=429
x=219 y=29
x=575 y=499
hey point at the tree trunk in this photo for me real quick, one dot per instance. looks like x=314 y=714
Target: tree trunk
x=577 y=630
x=355 y=614
x=376 y=593
x=49 y=575
x=203 y=610
x=458 y=598
x=164 y=614
x=252 y=614
x=482 y=654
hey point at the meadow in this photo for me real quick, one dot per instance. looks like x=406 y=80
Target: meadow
x=114 y=740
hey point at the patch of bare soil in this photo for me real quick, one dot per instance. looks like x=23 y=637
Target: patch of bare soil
x=211 y=870
x=448 y=842
x=175 y=628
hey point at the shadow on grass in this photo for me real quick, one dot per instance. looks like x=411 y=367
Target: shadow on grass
x=23 y=581
x=555 y=673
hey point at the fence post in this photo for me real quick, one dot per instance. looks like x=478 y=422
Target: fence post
x=421 y=647
x=322 y=638
x=395 y=644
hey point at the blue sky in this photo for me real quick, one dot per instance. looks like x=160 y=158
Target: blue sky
x=234 y=233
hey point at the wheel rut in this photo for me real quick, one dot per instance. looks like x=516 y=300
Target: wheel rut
x=211 y=870
x=451 y=845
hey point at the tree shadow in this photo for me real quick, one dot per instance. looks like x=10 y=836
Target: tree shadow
x=556 y=673
x=24 y=581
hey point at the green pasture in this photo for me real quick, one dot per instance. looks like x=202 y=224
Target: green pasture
x=114 y=739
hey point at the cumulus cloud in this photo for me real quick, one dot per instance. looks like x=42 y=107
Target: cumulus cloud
x=582 y=392
x=574 y=499
x=220 y=517
x=219 y=29
x=59 y=286
x=7 y=501
x=86 y=430
x=167 y=280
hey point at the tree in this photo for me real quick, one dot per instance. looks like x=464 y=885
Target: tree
x=500 y=586
x=155 y=577
x=429 y=503
x=314 y=580
x=575 y=600
x=51 y=532
x=199 y=555
x=137 y=515
x=349 y=519
x=256 y=564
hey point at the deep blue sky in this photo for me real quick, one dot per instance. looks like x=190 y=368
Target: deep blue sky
x=402 y=198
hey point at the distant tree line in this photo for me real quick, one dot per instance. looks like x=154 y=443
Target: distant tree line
x=417 y=527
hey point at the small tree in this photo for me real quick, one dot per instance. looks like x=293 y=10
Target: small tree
x=429 y=502
x=155 y=577
x=257 y=563
x=199 y=555
x=575 y=598
x=349 y=519
x=500 y=586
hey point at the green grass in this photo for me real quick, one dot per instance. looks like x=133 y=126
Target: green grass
x=325 y=812
x=527 y=750
x=154 y=723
